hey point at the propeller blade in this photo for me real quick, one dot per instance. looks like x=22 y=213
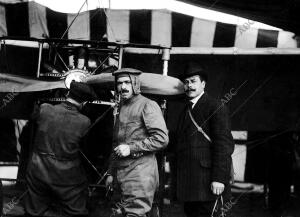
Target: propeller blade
x=14 y=83
x=150 y=83
x=103 y=80
x=160 y=84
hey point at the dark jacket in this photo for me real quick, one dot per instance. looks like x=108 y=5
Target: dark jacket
x=199 y=161
x=55 y=173
x=60 y=129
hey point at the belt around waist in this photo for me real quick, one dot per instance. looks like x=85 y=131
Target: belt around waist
x=56 y=157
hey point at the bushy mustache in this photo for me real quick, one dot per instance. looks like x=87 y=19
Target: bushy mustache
x=124 y=91
x=190 y=89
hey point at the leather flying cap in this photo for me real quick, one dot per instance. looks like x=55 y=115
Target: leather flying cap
x=133 y=74
x=194 y=69
x=127 y=71
x=81 y=92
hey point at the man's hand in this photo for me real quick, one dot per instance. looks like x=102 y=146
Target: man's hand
x=122 y=150
x=109 y=180
x=217 y=188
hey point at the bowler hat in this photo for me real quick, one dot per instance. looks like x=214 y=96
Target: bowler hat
x=194 y=69
x=81 y=92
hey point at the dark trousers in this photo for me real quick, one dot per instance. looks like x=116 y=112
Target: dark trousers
x=198 y=208
x=204 y=209
x=280 y=176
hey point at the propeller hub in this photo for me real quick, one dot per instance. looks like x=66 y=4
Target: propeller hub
x=77 y=75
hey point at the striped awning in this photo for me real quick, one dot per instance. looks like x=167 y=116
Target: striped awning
x=157 y=27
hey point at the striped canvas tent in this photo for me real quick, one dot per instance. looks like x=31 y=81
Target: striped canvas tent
x=162 y=27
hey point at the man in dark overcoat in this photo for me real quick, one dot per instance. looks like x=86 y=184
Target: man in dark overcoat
x=55 y=174
x=203 y=151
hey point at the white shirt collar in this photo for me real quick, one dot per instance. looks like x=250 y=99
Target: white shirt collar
x=195 y=100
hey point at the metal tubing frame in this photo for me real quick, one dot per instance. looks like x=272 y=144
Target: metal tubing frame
x=40 y=59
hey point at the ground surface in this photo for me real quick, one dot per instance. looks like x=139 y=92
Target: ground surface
x=247 y=204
